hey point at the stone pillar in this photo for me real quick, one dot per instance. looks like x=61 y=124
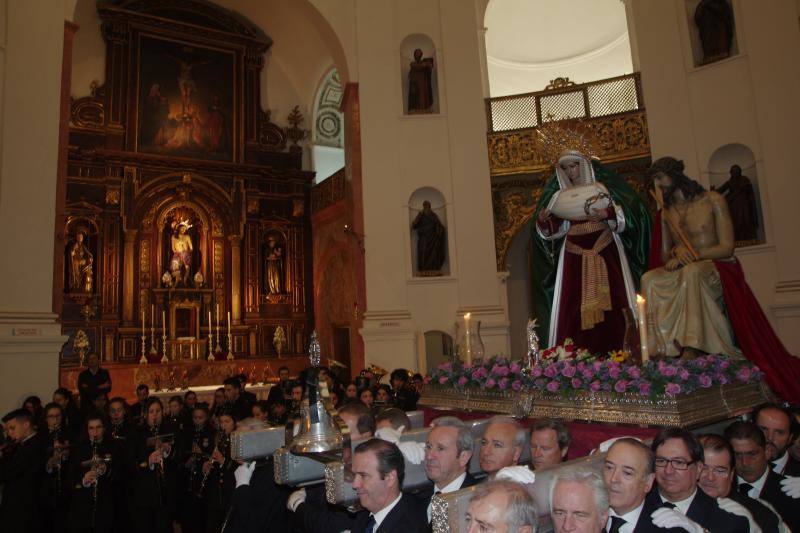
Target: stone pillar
x=236 y=279
x=129 y=269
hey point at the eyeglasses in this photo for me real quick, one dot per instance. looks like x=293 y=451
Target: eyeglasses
x=677 y=464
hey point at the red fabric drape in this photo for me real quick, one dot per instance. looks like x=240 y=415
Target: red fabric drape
x=753 y=332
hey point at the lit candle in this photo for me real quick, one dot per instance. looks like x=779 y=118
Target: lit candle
x=209 y=320
x=467 y=341
x=217 y=316
x=229 y=322
x=641 y=310
x=164 y=323
x=152 y=315
x=142 y=323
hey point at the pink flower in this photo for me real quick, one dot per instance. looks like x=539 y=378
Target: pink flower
x=536 y=371
x=490 y=383
x=705 y=380
x=668 y=371
x=503 y=384
x=553 y=386
x=515 y=368
x=576 y=383
x=468 y=368
x=621 y=385
x=500 y=370
x=595 y=386
x=597 y=365
x=426 y=380
x=614 y=371
x=462 y=380
x=743 y=374
x=683 y=374
x=516 y=385
x=644 y=388
x=672 y=389
x=588 y=373
x=634 y=372
x=568 y=371
x=724 y=364
x=446 y=366
x=443 y=380
x=476 y=375
x=550 y=371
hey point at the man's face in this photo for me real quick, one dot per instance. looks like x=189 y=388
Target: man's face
x=93 y=362
x=716 y=476
x=190 y=400
x=199 y=418
x=673 y=483
x=776 y=427
x=373 y=492
x=95 y=429
x=352 y=425
x=154 y=414
x=297 y=393
x=142 y=394
x=574 y=509
x=53 y=417
x=17 y=429
x=497 y=448
x=665 y=183
x=397 y=383
x=572 y=169
x=544 y=449
x=116 y=412
x=231 y=393
x=60 y=400
x=443 y=463
x=626 y=478
x=488 y=514
x=283 y=375
x=751 y=459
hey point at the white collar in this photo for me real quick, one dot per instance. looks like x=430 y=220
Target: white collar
x=683 y=505
x=631 y=517
x=381 y=515
x=780 y=464
x=757 y=485
x=452 y=486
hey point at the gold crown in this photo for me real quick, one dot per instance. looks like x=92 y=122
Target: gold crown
x=555 y=139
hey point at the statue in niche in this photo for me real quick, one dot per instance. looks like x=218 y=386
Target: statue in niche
x=274 y=266
x=81 y=263
x=430 y=241
x=180 y=264
x=714 y=20
x=684 y=297
x=420 y=85
x=738 y=192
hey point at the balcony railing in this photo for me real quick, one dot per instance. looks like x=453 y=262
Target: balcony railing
x=328 y=192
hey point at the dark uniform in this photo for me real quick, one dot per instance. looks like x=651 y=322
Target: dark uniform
x=56 y=484
x=120 y=481
x=21 y=470
x=91 y=509
x=90 y=385
x=197 y=445
x=218 y=488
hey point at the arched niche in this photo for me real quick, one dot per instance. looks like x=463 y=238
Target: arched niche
x=328 y=131
x=438 y=348
x=744 y=201
x=422 y=223
x=418 y=75
x=81 y=255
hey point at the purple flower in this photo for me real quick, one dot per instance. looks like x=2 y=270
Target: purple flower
x=500 y=370
x=476 y=375
x=550 y=371
x=516 y=385
x=576 y=383
x=446 y=366
x=672 y=389
x=723 y=379
x=503 y=384
x=597 y=365
x=634 y=372
x=743 y=374
x=621 y=385
x=539 y=383
x=724 y=364
x=644 y=388
x=515 y=368
x=468 y=368
x=683 y=374
x=553 y=386
x=588 y=373
x=668 y=371
x=568 y=371
x=614 y=371
x=705 y=380
x=595 y=386
x=443 y=380
x=462 y=381
x=536 y=371
x=490 y=383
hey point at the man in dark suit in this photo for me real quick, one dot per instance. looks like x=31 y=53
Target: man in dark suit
x=716 y=480
x=448 y=450
x=21 y=472
x=238 y=402
x=137 y=409
x=776 y=423
x=628 y=475
x=678 y=463
x=755 y=478
x=378 y=470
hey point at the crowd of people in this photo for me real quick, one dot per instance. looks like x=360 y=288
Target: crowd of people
x=101 y=465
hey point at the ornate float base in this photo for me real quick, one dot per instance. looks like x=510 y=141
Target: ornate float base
x=687 y=410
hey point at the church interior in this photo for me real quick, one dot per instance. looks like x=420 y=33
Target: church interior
x=196 y=189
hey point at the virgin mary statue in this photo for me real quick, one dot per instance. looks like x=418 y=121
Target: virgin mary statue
x=586 y=270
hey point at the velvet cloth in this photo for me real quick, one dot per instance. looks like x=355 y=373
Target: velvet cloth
x=586 y=436
x=754 y=334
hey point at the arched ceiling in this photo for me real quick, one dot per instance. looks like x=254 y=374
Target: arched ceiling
x=529 y=42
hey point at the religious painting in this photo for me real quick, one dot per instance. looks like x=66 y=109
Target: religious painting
x=186 y=100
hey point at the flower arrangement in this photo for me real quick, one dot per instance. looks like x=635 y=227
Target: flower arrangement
x=559 y=375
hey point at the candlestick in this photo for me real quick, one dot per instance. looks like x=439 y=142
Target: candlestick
x=210 y=338
x=218 y=348
x=143 y=358
x=164 y=358
x=229 y=357
x=641 y=318
x=153 y=350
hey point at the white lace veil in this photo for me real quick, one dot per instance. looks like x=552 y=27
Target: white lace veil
x=587 y=171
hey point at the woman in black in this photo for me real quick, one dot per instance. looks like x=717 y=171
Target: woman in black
x=56 y=486
x=219 y=482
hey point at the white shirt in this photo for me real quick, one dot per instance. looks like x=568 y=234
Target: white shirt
x=780 y=464
x=450 y=487
x=758 y=485
x=683 y=505
x=381 y=515
x=631 y=518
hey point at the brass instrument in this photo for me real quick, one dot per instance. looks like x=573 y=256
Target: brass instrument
x=99 y=465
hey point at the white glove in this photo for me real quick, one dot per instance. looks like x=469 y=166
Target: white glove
x=390 y=434
x=726 y=504
x=413 y=452
x=791 y=486
x=243 y=473
x=295 y=499
x=667 y=518
x=520 y=474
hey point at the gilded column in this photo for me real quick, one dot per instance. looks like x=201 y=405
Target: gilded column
x=236 y=279
x=129 y=268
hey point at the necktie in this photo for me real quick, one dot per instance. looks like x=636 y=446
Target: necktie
x=430 y=507
x=668 y=505
x=370 y=525
x=745 y=488
x=616 y=523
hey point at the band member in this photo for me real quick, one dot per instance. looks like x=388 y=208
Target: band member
x=198 y=444
x=120 y=429
x=218 y=481
x=92 y=468
x=151 y=458
x=21 y=465
x=56 y=487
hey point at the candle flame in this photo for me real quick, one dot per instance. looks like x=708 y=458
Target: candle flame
x=467 y=315
x=639 y=299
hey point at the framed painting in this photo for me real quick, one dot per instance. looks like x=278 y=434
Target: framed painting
x=186 y=100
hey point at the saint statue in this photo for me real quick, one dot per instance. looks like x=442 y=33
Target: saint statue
x=420 y=85
x=81 y=263
x=180 y=264
x=274 y=270
x=741 y=198
x=684 y=297
x=430 y=240
x=583 y=295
